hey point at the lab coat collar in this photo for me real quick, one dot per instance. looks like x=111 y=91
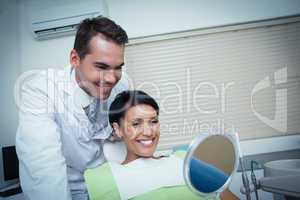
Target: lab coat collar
x=73 y=88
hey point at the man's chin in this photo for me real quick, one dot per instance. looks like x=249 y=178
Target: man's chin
x=100 y=93
x=103 y=96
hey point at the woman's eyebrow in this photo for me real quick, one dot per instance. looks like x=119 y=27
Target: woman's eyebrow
x=148 y=118
x=154 y=118
x=137 y=120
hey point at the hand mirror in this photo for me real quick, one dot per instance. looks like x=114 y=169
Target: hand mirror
x=210 y=162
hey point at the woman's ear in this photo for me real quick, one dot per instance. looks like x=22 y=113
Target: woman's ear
x=117 y=130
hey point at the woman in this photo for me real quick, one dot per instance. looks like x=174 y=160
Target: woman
x=134 y=118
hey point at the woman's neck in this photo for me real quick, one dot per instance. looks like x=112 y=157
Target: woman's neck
x=129 y=158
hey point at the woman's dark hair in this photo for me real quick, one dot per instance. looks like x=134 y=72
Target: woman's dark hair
x=126 y=100
x=90 y=27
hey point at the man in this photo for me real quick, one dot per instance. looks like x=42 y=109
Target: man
x=63 y=114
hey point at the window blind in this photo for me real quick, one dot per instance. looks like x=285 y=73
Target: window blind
x=242 y=78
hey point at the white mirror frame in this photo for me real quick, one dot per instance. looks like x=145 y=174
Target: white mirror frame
x=191 y=149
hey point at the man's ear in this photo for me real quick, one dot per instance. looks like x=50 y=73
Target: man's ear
x=74 y=58
x=117 y=130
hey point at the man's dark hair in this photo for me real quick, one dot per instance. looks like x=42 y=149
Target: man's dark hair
x=90 y=27
x=126 y=100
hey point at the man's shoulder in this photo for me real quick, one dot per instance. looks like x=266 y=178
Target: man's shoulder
x=42 y=79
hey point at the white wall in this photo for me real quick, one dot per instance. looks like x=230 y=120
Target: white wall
x=40 y=54
x=142 y=17
x=9 y=69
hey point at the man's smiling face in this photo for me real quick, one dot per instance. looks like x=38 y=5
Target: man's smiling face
x=101 y=68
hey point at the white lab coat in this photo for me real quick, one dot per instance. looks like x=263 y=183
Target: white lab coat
x=55 y=139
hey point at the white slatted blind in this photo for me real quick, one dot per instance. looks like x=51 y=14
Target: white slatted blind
x=204 y=82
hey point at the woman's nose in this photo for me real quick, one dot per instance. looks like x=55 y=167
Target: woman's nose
x=148 y=131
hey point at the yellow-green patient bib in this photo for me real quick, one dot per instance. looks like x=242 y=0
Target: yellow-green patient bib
x=101 y=185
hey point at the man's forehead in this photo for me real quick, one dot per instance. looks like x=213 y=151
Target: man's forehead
x=102 y=42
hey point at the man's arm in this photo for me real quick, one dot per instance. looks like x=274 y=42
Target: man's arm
x=42 y=166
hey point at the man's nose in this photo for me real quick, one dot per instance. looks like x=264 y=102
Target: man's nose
x=110 y=76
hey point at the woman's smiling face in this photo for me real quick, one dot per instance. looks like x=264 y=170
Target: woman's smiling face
x=140 y=130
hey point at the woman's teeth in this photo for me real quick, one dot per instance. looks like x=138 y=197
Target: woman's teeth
x=146 y=142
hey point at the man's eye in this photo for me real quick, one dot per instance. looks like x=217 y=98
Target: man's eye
x=118 y=69
x=101 y=67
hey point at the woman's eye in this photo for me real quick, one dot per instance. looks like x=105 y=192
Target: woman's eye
x=135 y=124
x=154 y=121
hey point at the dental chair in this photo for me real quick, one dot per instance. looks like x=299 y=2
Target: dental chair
x=115 y=151
x=109 y=188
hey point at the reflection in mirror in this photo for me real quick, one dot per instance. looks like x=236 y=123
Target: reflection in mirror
x=211 y=162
